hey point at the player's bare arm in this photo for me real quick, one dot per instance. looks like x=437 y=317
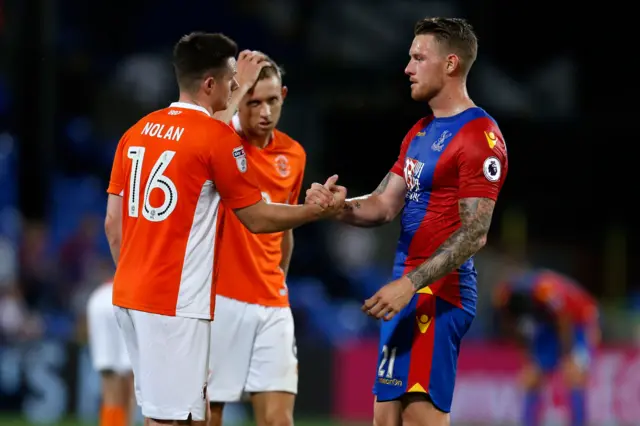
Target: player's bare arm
x=265 y=218
x=113 y=225
x=248 y=68
x=475 y=217
x=375 y=209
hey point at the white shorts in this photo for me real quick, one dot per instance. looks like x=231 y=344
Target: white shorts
x=169 y=356
x=106 y=346
x=253 y=350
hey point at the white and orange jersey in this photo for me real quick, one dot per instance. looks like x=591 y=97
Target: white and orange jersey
x=172 y=169
x=249 y=264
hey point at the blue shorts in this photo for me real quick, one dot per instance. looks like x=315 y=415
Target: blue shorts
x=419 y=349
x=546 y=350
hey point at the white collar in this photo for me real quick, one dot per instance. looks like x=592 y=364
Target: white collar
x=235 y=123
x=186 y=105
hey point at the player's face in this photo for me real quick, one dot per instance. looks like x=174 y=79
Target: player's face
x=223 y=86
x=426 y=68
x=260 y=109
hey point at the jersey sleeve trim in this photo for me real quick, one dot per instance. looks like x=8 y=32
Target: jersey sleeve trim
x=242 y=202
x=480 y=192
x=115 y=189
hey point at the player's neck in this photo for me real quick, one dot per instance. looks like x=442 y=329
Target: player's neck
x=259 y=142
x=451 y=101
x=190 y=99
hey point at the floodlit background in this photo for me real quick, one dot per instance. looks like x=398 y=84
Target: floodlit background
x=75 y=74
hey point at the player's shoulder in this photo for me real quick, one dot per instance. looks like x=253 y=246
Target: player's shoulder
x=289 y=145
x=477 y=121
x=478 y=129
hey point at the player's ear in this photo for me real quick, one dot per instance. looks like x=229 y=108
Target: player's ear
x=285 y=90
x=208 y=84
x=452 y=64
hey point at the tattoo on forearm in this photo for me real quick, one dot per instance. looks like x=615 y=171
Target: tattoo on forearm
x=475 y=218
x=383 y=185
x=354 y=204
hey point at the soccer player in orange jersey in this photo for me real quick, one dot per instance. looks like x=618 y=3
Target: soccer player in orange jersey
x=110 y=359
x=171 y=172
x=253 y=344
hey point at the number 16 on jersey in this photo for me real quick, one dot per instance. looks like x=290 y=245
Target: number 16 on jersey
x=156 y=180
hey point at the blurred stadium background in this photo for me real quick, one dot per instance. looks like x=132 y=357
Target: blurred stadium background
x=75 y=74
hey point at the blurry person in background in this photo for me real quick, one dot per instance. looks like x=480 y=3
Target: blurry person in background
x=253 y=348
x=110 y=359
x=557 y=324
x=17 y=323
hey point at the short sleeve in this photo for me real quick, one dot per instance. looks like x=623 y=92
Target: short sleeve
x=482 y=160
x=295 y=194
x=116 y=181
x=232 y=176
x=398 y=166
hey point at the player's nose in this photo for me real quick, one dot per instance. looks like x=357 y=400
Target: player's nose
x=265 y=111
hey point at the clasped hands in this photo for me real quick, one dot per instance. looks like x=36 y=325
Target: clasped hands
x=330 y=197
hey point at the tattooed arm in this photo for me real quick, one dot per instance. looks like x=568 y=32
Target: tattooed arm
x=475 y=217
x=377 y=208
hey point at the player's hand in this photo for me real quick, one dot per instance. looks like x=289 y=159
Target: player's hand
x=319 y=195
x=390 y=299
x=250 y=63
x=330 y=197
x=339 y=194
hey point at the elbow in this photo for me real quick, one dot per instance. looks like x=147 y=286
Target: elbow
x=112 y=231
x=258 y=226
x=388 y=210
x=481 y=241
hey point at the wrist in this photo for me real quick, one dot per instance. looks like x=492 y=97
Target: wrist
x=414 y=286
x=243 y=88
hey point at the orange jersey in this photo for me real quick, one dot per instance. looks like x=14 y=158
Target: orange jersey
x=249 y=268
x=172 y=169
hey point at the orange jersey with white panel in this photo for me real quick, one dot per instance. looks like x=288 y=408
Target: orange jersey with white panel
x=172 y=169
x=249 y=268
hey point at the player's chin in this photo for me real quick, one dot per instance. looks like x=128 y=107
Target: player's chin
x=419 y=95
x=262 y=130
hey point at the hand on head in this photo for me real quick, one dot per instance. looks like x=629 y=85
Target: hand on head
x=330 y=196
x=250 y=63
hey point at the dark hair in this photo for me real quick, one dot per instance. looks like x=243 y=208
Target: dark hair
x=199 y=54
x=455 y=34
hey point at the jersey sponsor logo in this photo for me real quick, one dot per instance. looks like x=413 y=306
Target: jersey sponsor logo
x=438 y=145
x=492 y=139
x=282 y=165
x=241 y=159
x=412 y=171
x=492 y=169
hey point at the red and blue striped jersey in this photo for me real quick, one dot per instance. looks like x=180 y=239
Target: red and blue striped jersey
x=443 y=160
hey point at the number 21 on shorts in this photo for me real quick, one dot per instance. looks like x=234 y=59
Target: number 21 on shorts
x=388 y=361
x=157 y=180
